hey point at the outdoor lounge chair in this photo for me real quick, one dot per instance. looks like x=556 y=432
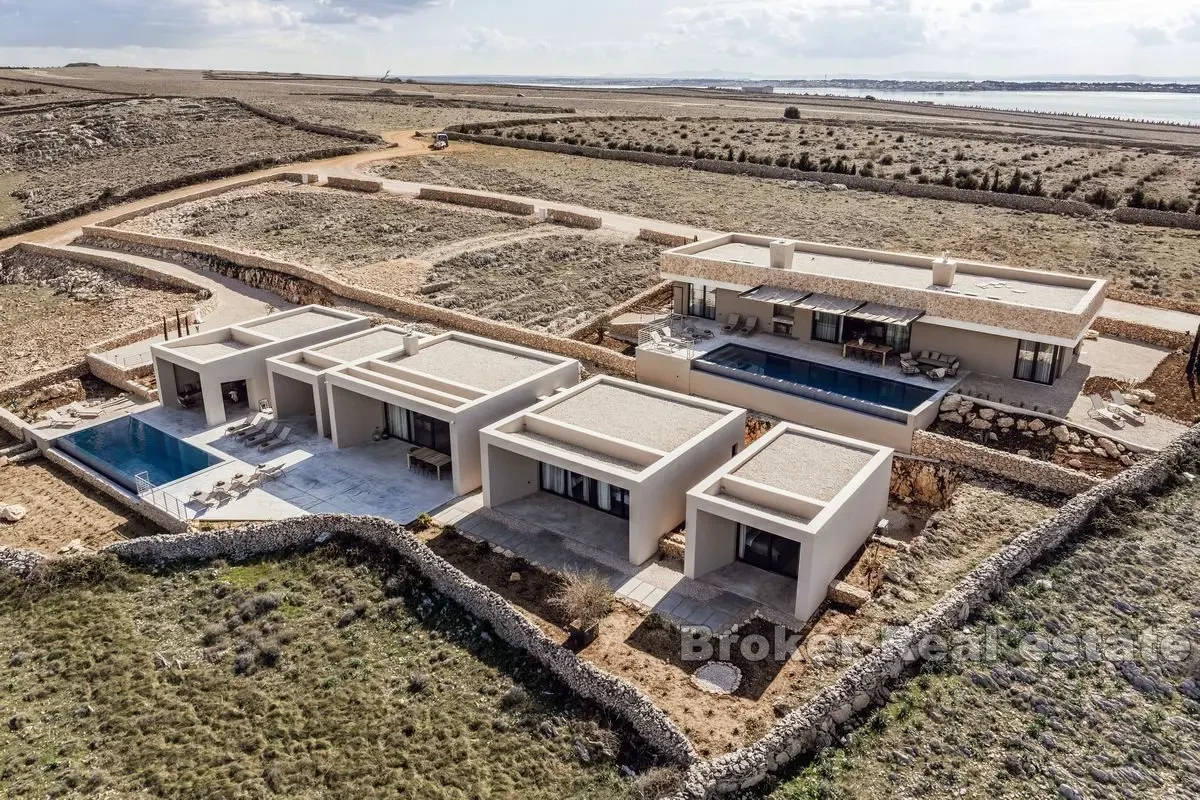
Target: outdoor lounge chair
x=909 y=368
x=253 y=429
x=257 y=422
x=732 y=323
x=262 y=435
x=59 y=419
x=1122 y=407
x=278 y=439
x=749 y=326
x=936 y=374
x=1100 y=410
x=268 y=471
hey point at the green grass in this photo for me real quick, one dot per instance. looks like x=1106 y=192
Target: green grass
x=327 y=674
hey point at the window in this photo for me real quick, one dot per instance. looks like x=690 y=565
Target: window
x=826 y=327
x=417 y=428
x=896 y=336
x=702 y=301
x=1037 y=361
x=584 y=490
x=768 y=551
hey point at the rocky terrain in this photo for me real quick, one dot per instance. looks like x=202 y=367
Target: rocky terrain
x=1092 y=691
x=67 y=156
x=52 y=310
x=1165 y=261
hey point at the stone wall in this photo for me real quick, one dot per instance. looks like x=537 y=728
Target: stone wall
x=19 y=388
x=328 y=286
x=11 y=424
x=658 y=293
x=665 y=239
x=1153 y=300
x=476 y=201
x=122 y=377
x=1030 y=471
x=299 y=124
x=819 y=723
x=20 y=562
x=609 y=692
x=1166 y=219
x=557 y=216
x=1136 y=331
x=354 y=184
x=924 y=481
x=117 y=219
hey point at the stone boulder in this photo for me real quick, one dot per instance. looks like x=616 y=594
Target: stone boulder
x=1109 y=447
x=1062 y=433
x=980 y=424
x=1146 y=395
x=1036 y=425
x=951 y=416
x=1005 y=422
x=987 y=413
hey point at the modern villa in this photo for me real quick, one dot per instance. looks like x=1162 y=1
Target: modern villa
x=608 y=462
x=859 y=342
x=785 y=516
x=437 y=393
x=224 y=370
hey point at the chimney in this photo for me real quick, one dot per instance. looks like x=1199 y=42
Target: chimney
x=943 y=270
x=411 y=345
x=782 y=251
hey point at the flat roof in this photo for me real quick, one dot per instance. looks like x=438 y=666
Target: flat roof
x=374 y=340
x=632 y=415
x=807 y=465
x=285 y=326
x=473 y=363
x=211 y=350
x=1008 y=287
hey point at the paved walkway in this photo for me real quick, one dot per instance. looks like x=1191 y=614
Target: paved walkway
x=654 y=586
x=1146 y=315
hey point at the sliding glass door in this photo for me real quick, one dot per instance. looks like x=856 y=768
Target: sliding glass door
x=1037 y=361
x=702 y=301
x=768 y=551
x=419 y=429
x=826 y=327
x=584 y=490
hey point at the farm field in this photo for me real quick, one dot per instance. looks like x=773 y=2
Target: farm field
x=333 y=671
x=1105 y=175
x=52 y=310
x=1166 y=261
x=1070 y=726
x=80 y=153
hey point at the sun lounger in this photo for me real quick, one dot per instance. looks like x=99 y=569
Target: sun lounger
x=1100 y=410
x=1122 y=407
x=749 y=326
x=278 y=439
x=262 y=435
x=268 y=471
x=253 y=430
x=59 y=419
x=732 y=323
x=258 y=421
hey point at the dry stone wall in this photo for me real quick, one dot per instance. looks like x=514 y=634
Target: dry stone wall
x=665 y=239
x=570 y=219
x=20 y=562
x=117 y=219
x=611 y=693
x=1030 y=471
x=1153 y=300
x=329 y=287
x=818 y=723
x=354 y=184
x=1136 y=331
x=659 y=293
x=1166 y=219
x=476 y=201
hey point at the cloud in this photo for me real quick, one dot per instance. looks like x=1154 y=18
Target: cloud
x=1011 y=6
x=109 y=24
x=1150 y=36
x=491 y=40
x=1190 y=31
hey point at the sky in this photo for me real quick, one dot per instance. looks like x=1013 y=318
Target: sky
x=769 y=38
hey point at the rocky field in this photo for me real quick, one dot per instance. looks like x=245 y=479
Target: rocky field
x=324 y=674
x=1093 y=690
x=1165 y=261
x=67 y=156
x=52 y=310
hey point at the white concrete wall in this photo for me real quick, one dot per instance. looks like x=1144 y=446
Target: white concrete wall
x=292 y=397
x=507 y=476
x=977 y=352
x=711 y=542
x=655 y=368
x=354 y=417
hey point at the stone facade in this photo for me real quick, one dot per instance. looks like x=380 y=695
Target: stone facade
x=353 y=184
x=921 y=480
x=476 y=201
x=1030 y=471
x=1135 y=331
x=665 y=239
x=329 y=287
x=818 y=723
x=557 y=216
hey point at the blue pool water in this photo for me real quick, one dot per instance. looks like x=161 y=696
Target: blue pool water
x=124 y=447
x=818 y=381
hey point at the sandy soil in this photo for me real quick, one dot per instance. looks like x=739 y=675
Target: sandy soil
x=1134 y=256
x=61 y=510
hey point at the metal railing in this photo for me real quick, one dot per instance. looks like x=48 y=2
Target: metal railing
x=149 y=493
x=667 y=335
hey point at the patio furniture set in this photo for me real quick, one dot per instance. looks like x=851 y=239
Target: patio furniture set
x=430 y=458
x=238 y=485
x=72 y=415
x=933 y=364
x=1116 y=412
x=262 y=432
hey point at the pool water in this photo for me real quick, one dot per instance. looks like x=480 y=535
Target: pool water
x=125 y=447
x=801 y=374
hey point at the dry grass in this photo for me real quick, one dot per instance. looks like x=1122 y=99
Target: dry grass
x=1160 y=260
x=324 y=674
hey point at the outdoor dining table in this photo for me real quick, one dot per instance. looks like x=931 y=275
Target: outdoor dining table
x=867 y=349
x=429 y=457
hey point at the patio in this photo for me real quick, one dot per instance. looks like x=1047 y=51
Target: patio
x=317 y=478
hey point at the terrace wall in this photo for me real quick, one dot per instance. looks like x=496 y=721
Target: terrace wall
x=1029 y=471
x=353 y=184
x=476 y=201
x=557 y=216
x=1136 y=331
x=818 y=723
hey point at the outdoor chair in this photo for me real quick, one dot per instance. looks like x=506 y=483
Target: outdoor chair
x=909 y=368
x=1100 y=410
x=657 y=339
x=277 y=440
x=732 y=323
x=258 y=421
x=252 y=429
x=263 y=435
x=58 y=419
x=749 y=326
x=952 y=370
x=1122 y=407
x=936 y=374
x=268 y=471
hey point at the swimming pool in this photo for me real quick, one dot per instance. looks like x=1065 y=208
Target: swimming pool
x=855 y=390
x=125 y=447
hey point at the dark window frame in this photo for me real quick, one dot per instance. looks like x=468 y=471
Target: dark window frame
x=618 y=496
x=1055 y=363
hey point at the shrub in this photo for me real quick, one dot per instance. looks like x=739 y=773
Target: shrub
x=742 y=156
x=1179 y=205
x=657 y=782
x=915 y=169
x=423 y=521
x=585 y=596
x=791 y=112
x=418 y=681
x=1101 y=198
x=887 y=160
x=900 y=138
